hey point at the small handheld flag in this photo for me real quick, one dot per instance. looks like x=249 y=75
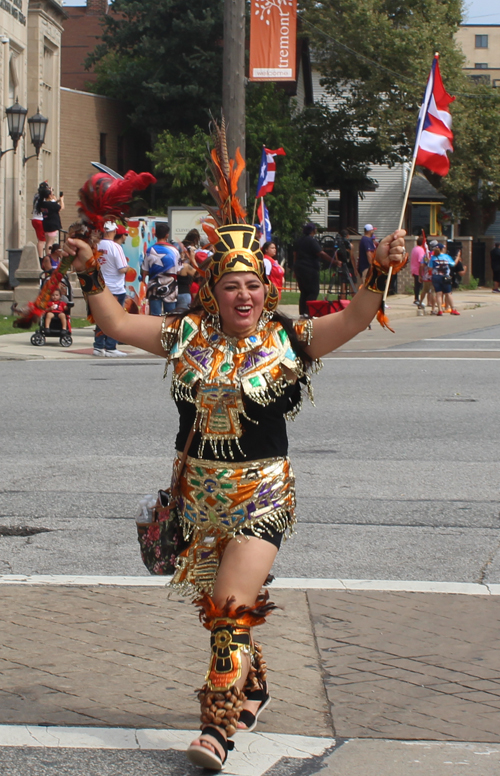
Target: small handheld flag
x=434 y=135
x=267 y=171
x=265 y=222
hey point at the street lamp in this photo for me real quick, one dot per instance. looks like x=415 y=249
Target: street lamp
x=38 y=128
x=16 y=118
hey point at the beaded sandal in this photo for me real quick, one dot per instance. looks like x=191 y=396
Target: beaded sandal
x=201 y=755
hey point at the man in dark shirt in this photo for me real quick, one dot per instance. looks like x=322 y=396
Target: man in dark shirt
x=495 y=267
x=307 y=255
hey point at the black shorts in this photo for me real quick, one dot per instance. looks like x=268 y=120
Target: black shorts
x=270 y=535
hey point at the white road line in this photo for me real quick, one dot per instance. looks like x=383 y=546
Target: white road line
x=280 y=583
x=462 y=339
x=254 y=755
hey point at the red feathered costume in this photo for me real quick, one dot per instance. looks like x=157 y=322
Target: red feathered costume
x=102 y=198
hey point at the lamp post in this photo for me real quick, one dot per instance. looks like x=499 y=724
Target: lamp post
x=38 y=128
x=16 y=118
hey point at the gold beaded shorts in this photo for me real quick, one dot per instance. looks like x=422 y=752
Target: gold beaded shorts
x=220 y=501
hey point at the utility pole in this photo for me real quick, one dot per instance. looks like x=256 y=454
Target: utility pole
x=233 y=81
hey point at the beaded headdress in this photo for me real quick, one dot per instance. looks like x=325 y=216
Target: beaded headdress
x=234 y=242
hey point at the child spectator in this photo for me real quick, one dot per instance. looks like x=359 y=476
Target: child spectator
x=57 y=307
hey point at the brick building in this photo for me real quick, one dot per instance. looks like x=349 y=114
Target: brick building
x=82 y=29
x=91 y=131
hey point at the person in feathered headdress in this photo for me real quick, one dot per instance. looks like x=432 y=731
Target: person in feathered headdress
x=238 y=369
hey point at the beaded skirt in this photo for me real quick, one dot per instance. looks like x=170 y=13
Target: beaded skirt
x=218 y=500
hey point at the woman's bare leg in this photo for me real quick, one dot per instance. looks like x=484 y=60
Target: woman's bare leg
x=256 y=557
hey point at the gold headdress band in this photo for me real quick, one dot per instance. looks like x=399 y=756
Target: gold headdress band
x=236 y=250
x=234 y=243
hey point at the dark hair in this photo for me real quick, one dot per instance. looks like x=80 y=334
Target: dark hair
x=55 y=247
x=309 y=228
x=44 y=192
x=266 y=245
x=420 y=241
x=162 y=231
x=192 y=238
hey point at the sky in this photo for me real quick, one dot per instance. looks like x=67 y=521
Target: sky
x=478 y=11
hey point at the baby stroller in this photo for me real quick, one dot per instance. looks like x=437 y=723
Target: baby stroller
x=55 y=329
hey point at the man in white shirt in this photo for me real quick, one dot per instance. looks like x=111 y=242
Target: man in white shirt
x=113 y=267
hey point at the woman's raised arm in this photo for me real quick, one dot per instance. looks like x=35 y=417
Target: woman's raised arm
x=332 y=331
x=141 y=331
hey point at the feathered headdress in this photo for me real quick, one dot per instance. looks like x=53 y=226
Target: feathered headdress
x=102 y=198
x=234 y=242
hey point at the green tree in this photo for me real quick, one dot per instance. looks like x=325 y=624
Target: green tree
x=164 y=58
x=181 y=159
x=271 y=121
x=374 y=57
x=472 y=187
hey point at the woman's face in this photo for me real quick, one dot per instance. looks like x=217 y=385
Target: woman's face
x=271 y=251
x=240 y=296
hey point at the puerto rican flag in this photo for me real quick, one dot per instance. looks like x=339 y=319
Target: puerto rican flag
x=434 y=135
x=265 y=224
x=267 y=171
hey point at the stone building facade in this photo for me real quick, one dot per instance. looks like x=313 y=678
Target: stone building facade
x=30 y=56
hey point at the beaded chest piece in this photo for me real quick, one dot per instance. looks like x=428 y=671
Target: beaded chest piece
x=215 y=372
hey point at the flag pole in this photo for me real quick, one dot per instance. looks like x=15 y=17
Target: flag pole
x=422 y=114
x=254 y=209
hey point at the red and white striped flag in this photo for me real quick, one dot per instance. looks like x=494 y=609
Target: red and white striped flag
x=434 y=135
x=267 y=171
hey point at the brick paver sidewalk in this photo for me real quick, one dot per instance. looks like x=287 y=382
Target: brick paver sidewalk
x=421 y=666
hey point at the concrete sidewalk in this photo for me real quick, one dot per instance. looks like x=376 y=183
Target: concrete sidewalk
x=482 y=305
x=363 y=667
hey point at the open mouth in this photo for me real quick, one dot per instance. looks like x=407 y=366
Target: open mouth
x=243 y=309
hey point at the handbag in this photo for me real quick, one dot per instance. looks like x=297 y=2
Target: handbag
x=162 y=540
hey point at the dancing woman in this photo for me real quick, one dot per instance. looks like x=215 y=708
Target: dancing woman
x=238 y=368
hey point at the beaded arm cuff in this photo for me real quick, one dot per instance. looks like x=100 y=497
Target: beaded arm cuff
x=376 y=279
x=92 y=282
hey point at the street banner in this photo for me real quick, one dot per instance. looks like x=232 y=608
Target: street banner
x=273 y=37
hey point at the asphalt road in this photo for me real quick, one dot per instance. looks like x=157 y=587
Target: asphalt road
x=397 y=465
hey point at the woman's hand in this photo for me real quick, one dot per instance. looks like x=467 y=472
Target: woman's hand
x=81 y=251
x=391 y=250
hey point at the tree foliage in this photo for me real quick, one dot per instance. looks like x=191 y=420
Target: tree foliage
x=181 y=160
x=164 y=58
x=374 y=57
x=271 y=122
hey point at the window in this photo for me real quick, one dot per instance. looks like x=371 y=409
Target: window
x=102 y=148
x=481 y=65
x=481 y=41
x=333 y=215
x=480 y=79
